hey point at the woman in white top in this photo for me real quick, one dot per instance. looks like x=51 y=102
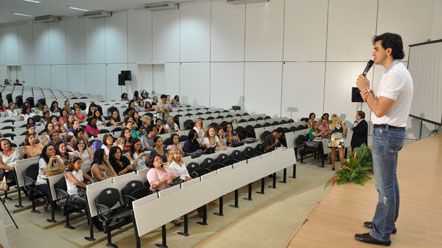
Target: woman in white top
x=8 y=159
x=171 y=126
x=47 y=159
x=177 y=164
x=136 y=155
x=211 y=140
x=75 y=178
x=26 y=113
x=199 y=129
x=108 y=142
x=12 y=112
x=84 y=152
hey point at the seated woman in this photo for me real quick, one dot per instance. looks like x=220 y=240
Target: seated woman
x=338 y=131
x=198 y=127
x=191 y=144
x=158 y=148
x=211 y=140
x=221 y=137
x=12 y=112
x=91 y=128
x=132 y=127
x=32 y=147
x=175 y=142
x=9 y=157
x=312 y=117
x=119 y=162
x=115 y=118
x=159 y=177
x=126 y=136
x=101 y=170
x=83 y=151
x=230 y=134
x=79 y=116
x=160 y=127
x=62 y=152
x=148 y=107
x=177 y=164
x=136 y=155
x=313 y=130
x=55 y=110
x=54 y=120
x=75 y=179
x=99 y=117
x=48 y=160
x=171 y=126
x=25 y=113
x=63 y=118
x=108 y=142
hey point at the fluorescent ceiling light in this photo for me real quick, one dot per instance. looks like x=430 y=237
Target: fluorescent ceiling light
x=22 y=14
x=32 y=1
x=79 y=9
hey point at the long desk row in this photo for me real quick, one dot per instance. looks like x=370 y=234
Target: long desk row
x=199 y=191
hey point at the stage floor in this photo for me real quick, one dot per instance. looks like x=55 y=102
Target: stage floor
x=335 y=220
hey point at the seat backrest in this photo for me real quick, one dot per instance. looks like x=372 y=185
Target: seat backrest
x=61 y=184
x=131 y=186
x=222 y=158
x=188 y=124
x=192 y=168
x=249 y=152
x=236 y=155
x=108 y=197
x=259 y=149
x=32 y=171
x=300 y=140
x=267 y=138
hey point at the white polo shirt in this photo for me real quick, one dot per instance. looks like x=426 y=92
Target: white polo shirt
x=396 y=84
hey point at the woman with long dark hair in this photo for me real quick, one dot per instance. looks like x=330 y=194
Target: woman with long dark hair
x=101 y=169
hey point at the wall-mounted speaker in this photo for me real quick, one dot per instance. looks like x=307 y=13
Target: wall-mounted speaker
x=127 y=75
x=121 y=80
x=355 y=95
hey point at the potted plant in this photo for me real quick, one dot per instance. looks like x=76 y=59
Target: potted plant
x=357 y=169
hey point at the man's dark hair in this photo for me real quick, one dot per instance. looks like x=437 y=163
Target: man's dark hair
x=393 y=41
x=361 y=114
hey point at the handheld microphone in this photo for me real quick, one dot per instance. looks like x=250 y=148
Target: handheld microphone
x=368 y=67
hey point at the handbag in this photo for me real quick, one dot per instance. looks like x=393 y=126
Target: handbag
x=54 y=170
x=4 y=184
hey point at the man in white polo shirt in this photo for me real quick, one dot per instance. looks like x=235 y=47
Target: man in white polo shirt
x=390 y=108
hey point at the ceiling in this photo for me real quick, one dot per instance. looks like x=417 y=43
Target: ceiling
x=60 y=7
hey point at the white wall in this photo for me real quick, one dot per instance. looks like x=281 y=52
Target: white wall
x=263 y=56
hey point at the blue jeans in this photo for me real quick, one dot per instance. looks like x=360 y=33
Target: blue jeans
x=386 y=145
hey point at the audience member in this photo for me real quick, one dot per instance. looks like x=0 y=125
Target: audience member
x=119 y=162
x=360 y=131
x=159 y=177
x=337 y=139
x=101 y=170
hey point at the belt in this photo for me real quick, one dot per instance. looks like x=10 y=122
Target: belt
x=388 y=127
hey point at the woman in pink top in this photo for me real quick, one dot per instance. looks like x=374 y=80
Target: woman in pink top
x=159 y=177
x=91 y=128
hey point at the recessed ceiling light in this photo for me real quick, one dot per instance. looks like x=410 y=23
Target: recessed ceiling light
x=79 y=9
x=22 y=14
x=32 y=1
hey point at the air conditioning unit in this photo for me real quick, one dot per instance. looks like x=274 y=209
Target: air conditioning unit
x=161 y=6
x=97 y=14
x=247 y=1
x=47 y=18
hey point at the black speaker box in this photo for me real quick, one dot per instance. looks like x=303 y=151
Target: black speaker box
x=121 y=80
x=355 y=96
